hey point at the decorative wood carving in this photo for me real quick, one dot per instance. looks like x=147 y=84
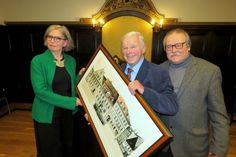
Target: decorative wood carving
x=140 y=8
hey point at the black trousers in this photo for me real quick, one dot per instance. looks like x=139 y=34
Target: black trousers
x=166 y=152
x=55 y=140
x=85 y=142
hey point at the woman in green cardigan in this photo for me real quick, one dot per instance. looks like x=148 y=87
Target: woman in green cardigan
x=53 y=77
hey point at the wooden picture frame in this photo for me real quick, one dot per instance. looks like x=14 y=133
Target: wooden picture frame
x=124 y=124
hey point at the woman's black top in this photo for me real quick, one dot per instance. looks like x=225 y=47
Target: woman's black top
x=61 y=84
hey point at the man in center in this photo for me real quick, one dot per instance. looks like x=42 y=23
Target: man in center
x=146 y=78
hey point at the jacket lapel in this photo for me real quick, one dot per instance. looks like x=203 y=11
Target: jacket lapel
x=68 y=68
x=188 y=76
x=49 y=65
x=143 y=71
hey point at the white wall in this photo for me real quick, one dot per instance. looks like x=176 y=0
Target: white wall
x=198 y=10
x=48 y=10
x=72 y=10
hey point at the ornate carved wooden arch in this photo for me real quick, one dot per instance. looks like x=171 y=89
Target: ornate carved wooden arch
x=143 y=9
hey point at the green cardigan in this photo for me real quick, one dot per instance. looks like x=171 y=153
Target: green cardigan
x=42 y=73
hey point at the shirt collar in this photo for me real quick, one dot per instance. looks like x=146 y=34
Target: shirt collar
x=136 y=67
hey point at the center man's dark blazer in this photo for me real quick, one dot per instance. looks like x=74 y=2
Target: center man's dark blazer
x=158 y=89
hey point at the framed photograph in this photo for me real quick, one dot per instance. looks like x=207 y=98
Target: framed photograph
x=124 y=124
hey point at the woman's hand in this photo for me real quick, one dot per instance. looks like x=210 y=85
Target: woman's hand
x=87 y=118
x=81 y=72
x=78 y=102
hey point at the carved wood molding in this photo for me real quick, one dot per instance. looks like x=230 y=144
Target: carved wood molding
x=140 y=8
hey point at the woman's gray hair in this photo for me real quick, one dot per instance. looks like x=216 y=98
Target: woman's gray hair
x=181 y=31
x=66 y=34
x=133 y=33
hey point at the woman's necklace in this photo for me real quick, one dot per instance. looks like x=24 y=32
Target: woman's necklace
x=59 y=63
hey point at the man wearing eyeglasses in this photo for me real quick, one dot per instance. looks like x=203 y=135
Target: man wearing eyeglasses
x=201 y=127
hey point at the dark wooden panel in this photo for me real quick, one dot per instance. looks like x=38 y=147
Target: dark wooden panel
x=35 y=35
x=86 y=42
x=4 y=55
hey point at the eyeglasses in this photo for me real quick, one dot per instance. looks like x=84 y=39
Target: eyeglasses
x=54 y=38
x=177 y=46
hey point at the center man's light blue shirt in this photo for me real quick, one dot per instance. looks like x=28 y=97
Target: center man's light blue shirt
x=134 y=68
